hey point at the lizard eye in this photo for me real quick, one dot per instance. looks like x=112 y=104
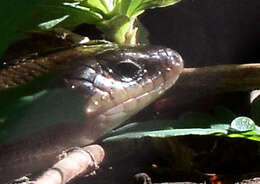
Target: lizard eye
x=128 y=70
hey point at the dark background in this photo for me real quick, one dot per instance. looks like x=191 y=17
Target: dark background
x=208 y=32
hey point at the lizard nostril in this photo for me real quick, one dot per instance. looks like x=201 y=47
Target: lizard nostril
x=173 y=59
x=177 y=59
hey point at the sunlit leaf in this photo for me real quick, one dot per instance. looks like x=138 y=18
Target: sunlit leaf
x=251 y=135
x=52 y=10
x=165 y=133
x=33 y=14
x=136 y=7
x=104 y=6
x=190 y=124
x=52 y=23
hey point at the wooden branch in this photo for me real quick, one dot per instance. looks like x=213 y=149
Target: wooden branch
x=221 y=78
x=78 y=162
x=196 y=84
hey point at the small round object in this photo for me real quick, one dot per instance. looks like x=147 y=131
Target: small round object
x=243 y=124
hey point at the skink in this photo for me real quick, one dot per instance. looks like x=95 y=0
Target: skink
x=96 y=90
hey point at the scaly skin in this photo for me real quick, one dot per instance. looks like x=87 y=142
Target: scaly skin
x=93 y=94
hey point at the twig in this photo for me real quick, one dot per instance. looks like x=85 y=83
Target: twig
x=195 y=83
x=78 y=162
x=221 y=78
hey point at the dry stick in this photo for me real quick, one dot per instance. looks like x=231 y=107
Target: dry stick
x=222 y=78
x=195 y=83
x=76 y=163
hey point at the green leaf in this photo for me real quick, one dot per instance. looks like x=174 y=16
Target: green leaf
x=116 y=28
x=18 y=15
x=130 y=8
x=136 y=7
x=68 y=15
x=252 y=135
x=115 y=18
x=164 y=134
x=104 y=6
x=52 y=23
x=191 y=124
x=161 y=129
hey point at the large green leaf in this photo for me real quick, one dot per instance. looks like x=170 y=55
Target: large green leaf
x=136 y=7
x=102 y=6
x=45 y=14
x=190 y=124
x=56 y=10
